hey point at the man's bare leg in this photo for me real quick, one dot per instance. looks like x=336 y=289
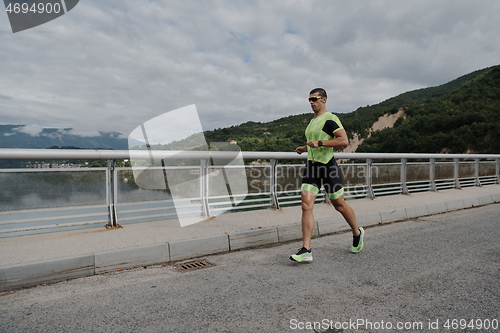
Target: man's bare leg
x=347 y=212
x=308 y=199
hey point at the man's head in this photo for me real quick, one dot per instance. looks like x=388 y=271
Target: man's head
x=319 y=92
x=317 y=99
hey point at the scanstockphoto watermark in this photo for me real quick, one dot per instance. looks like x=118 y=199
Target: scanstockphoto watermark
x=28 y=14
x=363 y=324
x=288 y=178
x=358 y=324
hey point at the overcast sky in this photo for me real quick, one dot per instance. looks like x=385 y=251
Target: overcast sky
x=112 y=65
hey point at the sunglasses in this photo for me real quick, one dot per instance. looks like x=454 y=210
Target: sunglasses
x=314 y=98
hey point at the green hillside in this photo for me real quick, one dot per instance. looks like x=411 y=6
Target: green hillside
x=460 y=116
x=464 y=117
x=363 y=118
x=284 y=134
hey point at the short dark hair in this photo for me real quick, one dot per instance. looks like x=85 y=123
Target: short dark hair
x=320 y=91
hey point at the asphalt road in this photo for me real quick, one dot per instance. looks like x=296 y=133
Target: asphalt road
x=416 y=276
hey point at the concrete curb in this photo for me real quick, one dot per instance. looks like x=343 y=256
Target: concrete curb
x=109 y=261
x=416 y=211
x=250 y=238
x=393 y=215
x=47 y=271
x=437 y=208
x=293 y=231
x=192 y=248
x=55 y=270
x=331 y=225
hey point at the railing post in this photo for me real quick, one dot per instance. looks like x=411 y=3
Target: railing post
x=432 y=174
x=273 y=175
x=369 y=178
x=111 y=193
x=404 y=186
x=455 y=173
x=476 y=171
x=204 y=187
x=497 y=170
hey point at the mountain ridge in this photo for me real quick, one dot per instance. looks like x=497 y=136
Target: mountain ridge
x=470 y=103
x=12 y=136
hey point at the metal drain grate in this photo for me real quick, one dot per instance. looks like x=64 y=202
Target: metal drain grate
x=192 y=265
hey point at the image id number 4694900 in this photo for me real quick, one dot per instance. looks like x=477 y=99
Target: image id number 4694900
x=473 y=324
x=35 y=8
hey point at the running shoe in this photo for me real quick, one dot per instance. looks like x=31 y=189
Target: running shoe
x=303 y=255
x=357 y=242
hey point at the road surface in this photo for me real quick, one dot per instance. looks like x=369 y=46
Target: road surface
x=432 y=274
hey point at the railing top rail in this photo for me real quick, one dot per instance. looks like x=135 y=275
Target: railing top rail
x=97 y=154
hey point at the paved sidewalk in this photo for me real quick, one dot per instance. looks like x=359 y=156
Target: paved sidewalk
x=98 y=250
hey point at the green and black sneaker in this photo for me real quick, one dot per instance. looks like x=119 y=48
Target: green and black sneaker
x=357 y=241
x=303 y=255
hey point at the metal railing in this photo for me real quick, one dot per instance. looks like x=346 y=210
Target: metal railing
x=52 y=199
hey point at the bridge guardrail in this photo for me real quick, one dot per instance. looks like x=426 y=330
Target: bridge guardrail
x=104 y=195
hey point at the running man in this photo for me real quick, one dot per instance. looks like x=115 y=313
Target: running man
x=324 y=133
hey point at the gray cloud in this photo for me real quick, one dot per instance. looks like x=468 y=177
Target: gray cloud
x=112 y=65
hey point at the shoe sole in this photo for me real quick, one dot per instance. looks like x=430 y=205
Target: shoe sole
x=309 y=259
